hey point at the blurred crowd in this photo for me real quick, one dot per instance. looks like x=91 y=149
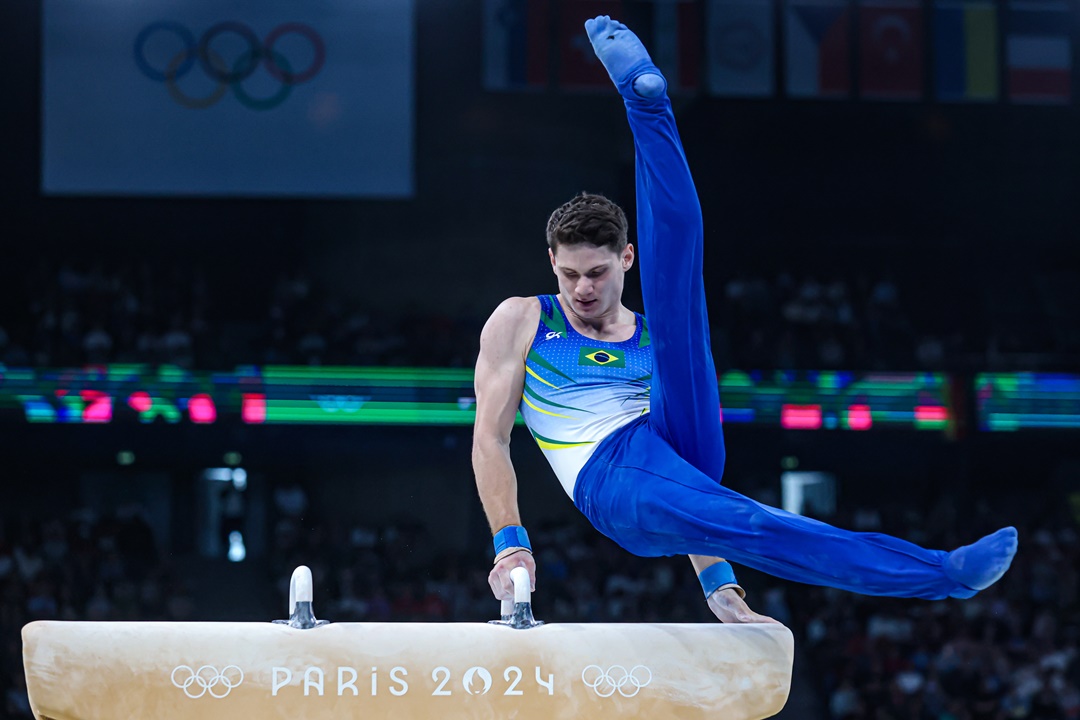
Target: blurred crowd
x=138 y=313
x=80 y=567
x=1013 y=651
x=866 y=322
x=396 y=572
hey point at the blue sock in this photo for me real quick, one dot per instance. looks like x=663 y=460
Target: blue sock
x=624 y=57
x=981 y=564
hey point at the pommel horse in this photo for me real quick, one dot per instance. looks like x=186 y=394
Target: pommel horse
x=305 y=668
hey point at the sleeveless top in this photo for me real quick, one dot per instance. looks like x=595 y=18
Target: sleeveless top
x=579 y=390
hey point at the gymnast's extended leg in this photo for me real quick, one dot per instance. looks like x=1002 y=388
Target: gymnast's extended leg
x=653 y=485
x=684 y=401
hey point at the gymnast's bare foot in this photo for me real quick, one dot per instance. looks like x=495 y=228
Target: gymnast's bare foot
x=728 y=607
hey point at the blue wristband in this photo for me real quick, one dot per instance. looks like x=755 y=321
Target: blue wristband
x=716 y=576
x=511 y=536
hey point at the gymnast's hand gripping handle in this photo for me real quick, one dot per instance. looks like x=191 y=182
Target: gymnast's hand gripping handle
x=517 y=611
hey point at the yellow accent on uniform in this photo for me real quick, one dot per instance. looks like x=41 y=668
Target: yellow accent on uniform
x=530 y=371
x=526 y=401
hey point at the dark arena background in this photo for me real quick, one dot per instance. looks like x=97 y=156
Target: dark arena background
x=239 y=315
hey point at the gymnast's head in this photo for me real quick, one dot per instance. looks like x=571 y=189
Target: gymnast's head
x=589 y=253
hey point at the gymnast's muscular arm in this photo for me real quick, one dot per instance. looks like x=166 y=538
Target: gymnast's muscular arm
x=500 y=379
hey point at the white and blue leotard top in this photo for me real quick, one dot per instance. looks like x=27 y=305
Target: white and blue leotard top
x=579 y=390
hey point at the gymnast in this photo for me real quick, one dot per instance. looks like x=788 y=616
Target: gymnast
x=625 y=406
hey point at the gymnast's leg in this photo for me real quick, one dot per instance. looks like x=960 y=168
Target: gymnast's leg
x=684 y=400
x=644 y=496
x=643 y=487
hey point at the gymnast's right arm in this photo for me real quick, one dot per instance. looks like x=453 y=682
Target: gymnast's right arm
x=499 y=382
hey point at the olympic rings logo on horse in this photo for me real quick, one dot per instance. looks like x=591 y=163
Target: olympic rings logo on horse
x=207 y=682
x=259 y=52
x=616 y=677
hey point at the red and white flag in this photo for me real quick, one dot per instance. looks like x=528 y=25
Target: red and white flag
x=891 y=47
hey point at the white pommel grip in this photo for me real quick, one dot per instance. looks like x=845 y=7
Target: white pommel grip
x=520 y=577
x=300 y=587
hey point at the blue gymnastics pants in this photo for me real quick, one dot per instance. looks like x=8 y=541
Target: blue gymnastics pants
x=653 y=486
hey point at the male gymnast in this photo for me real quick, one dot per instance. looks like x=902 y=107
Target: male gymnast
x=627 y=410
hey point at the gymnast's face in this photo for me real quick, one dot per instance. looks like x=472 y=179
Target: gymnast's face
x=591 y=278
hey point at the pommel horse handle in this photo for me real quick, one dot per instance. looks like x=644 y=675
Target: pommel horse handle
x=300 y=587
x=520 y=577
x=301 y=605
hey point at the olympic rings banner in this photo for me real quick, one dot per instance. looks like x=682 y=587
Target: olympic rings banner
x=246 y=98
x=257 y=52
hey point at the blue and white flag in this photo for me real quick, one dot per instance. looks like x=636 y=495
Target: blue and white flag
x=244 y=97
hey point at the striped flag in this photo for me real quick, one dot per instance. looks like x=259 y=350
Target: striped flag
x=741 y=48
x=966 y=51
x=818 y=62
x=578 y=64
x=1038 y=52
x=516 y=44
x=891 y=49
x=676 y=45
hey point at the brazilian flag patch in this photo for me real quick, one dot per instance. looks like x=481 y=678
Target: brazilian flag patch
x=607 y=358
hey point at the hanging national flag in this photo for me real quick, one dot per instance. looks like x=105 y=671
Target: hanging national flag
x=516 y=44
x=966 y=51
x=891 y=49
x=676 y=45
x=818 y=50
x=578 y=65
x=1038 y=52
x=740 y=48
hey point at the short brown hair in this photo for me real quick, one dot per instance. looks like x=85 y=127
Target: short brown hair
x=588 y=218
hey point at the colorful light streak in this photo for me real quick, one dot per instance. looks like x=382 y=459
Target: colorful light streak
x=422 y=396
x=1024 y=401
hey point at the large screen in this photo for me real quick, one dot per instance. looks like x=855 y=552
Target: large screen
x=243 y=98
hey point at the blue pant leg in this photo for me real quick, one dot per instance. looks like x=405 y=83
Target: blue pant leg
x=685 y=399
x=638 y=491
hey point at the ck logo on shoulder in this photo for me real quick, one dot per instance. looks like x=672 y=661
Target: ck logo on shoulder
x=553 y=335
x=607 y=358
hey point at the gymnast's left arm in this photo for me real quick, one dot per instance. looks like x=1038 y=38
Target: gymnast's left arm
x=726 y=601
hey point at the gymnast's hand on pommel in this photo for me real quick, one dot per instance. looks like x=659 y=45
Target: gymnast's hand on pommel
x=499 y=577
x=728 y=607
